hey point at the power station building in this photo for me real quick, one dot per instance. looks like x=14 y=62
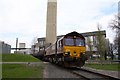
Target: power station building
x=22 y=49
x=51 y=31
x=91 y=35
x=4 y=48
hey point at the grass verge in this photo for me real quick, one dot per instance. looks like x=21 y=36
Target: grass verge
x=0 y=66
x=0 y=57
x=22 y=71
x=112 y=67
x=18 y=58
x=0 y=71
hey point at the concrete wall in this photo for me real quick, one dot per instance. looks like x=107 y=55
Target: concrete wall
x=5 y=48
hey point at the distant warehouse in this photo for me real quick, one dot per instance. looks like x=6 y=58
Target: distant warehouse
x=4 y=48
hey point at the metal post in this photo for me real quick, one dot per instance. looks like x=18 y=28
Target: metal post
x=16 y=44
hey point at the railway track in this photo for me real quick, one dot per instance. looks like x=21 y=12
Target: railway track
x=90 y=75
x=76 y=73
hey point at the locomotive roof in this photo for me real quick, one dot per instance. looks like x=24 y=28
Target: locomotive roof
x=74 y=33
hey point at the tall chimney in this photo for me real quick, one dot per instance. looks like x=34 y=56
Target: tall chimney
x=51 y=21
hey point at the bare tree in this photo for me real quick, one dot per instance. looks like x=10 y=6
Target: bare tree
x=101 y=47
x=115 y=25
x=33 y=44
x=34 y=41
x=111 y=51
x=115 y=44
x=89 y=43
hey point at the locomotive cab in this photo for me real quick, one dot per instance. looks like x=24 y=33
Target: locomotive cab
x=68 y=50
x=74 y=49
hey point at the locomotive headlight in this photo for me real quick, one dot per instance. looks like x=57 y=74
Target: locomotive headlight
x=66 y=53
x=83 y=52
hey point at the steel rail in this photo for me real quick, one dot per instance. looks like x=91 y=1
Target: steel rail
x=91 y=75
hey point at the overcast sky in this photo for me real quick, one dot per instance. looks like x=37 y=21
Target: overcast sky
x=26 y=19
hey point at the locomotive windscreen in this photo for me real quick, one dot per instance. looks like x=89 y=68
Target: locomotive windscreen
x=80 y=42
x=74 y=42
x=74 y=39
x=69 y=42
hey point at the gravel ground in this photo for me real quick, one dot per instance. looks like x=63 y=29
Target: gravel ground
x=115 y=74
x=52 y=71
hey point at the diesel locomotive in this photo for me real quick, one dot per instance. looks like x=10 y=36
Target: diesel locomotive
x=69 y=51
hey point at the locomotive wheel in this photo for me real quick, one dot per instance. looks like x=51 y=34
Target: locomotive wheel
x=80 y=62
x=50 y=59
x=66 y=64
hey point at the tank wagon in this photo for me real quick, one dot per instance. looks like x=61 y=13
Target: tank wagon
x=69 y=51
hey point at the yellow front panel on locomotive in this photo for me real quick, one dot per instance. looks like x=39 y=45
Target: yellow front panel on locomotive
x=74 y=51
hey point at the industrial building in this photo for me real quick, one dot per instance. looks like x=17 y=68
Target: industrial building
x=51 y=31
x=92 y=35
x=91 y=38
x=4 y=48
x=22 y=49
